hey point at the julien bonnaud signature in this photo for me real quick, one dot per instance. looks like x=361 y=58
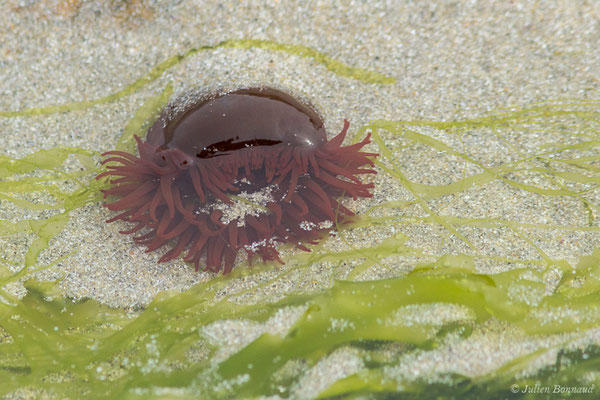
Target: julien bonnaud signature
x=558 y=389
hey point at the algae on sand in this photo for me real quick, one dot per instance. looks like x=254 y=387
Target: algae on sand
x=70 y=349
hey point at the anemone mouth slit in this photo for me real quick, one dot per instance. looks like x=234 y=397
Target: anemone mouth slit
x=243 y=171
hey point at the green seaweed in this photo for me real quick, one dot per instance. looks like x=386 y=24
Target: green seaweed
x=63 y=348
x=331 y=64
x=562 y=380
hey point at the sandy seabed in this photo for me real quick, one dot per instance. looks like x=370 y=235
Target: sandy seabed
x=450 y=61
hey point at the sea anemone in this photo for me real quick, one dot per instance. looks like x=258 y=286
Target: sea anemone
x=244 y=170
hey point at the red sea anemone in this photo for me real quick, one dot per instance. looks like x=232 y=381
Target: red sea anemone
x=245 y=170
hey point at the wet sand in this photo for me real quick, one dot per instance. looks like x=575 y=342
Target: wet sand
x=450 y=62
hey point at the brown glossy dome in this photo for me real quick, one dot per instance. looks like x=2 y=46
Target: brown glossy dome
x=239 y=120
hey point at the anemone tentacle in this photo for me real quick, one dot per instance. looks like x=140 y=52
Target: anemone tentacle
x=169 y=196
